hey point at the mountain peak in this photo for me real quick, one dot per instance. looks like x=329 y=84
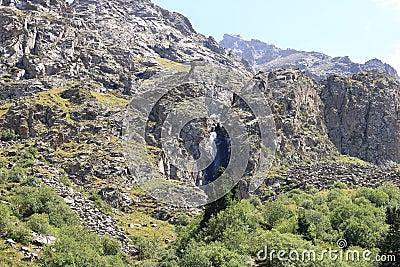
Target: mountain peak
x=267 y=57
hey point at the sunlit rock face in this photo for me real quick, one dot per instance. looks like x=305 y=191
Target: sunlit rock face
x=362 y=114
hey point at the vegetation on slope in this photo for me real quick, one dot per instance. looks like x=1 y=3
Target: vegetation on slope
x=312 y=220
x=28 y=205
x=227 y=233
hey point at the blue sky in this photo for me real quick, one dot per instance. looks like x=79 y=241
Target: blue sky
x=360 y=29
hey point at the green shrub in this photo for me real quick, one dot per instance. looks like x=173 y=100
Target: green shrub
x=39 y=223
x=77 y=246
x=8 y=135
x=214 y=254
x=183 y=220
x=275 y=213
x=393 y=192
x=195 y=256
x=340 y=185
x=362 y=225
x=111 y=246
x=29 y=200
x=61 y=215
x=150 y=264
x=30 y=181
x=20 y=233
x=3 y=175
x=376 y=196
x=255 y=201
x=100 y=203
x=25 y=163
x=16 y=174
x=336 y=195
x=33 y=151
x=149 y=248
x=3 y=162
x=5 y=219
x=235 y=220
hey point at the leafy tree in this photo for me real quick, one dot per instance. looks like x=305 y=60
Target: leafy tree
x=236 y=218
x=213 y=208
x=182 y=220
x=194 y=256
x=304 y=227
x=376 y=196
x=336 y=195
x=111 y=246
x=393 y=192
x=61 y=215
x=391 y=244
x=214 y=254
x=275 y=212
x=149 y=248
x=362 y=225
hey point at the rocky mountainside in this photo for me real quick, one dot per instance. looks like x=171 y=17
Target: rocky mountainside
x=268 y=57
x=110 y=43
x=80 y=63
x=66 y=73
x=69 y=71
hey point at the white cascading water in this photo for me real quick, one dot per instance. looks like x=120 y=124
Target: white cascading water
x=211 y=143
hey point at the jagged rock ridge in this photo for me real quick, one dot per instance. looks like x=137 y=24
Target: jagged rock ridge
x=268 y=57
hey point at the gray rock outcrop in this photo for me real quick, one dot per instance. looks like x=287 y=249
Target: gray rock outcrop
x=299 y=117
x=362 y=114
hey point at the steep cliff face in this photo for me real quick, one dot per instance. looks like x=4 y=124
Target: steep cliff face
x=299 y=118
x=362 y=115
x=268 y=57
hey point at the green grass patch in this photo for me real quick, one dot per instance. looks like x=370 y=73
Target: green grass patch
x=52 y=98
x=110 y=100
x=278 y=170
x=173 y=65
x=71 y=149
x=351 y=160
x=161 y=232
x=13 y=258
x=4 y=109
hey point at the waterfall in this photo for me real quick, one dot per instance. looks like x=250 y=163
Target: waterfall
x=212 y=146
x=218 y=147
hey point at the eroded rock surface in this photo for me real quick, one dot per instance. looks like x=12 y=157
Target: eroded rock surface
x=362 y=115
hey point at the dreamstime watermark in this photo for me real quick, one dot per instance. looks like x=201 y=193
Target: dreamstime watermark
x=332 y=254
x=167 y=103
